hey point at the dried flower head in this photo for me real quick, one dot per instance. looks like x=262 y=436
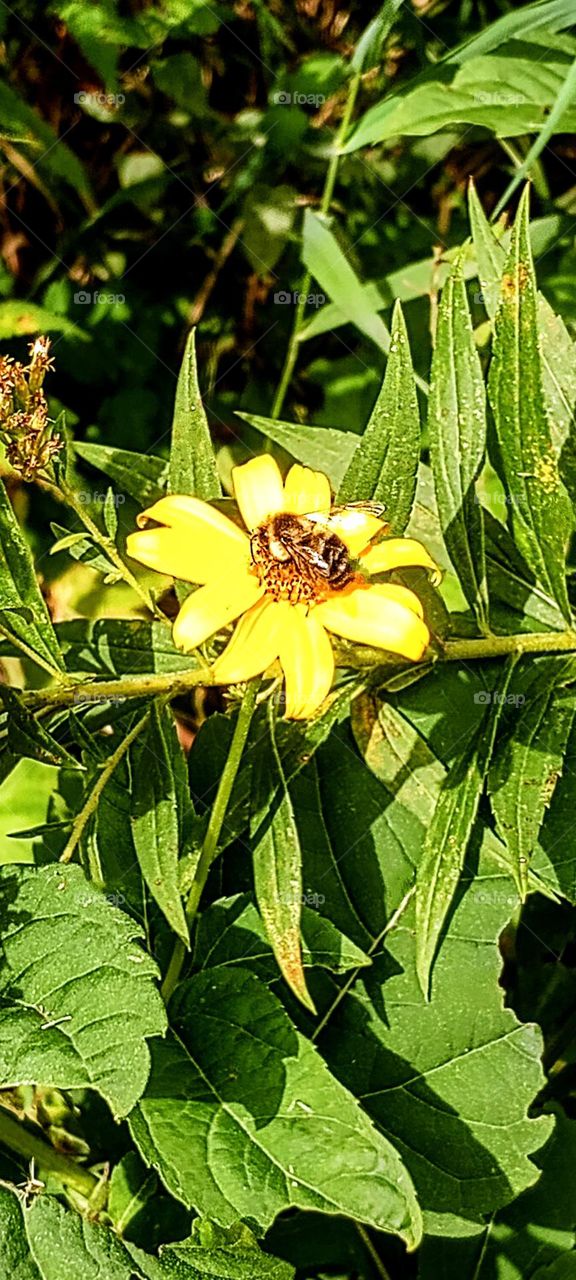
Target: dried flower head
x=25 y=427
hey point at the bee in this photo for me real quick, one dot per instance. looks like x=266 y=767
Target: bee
x=308 y=546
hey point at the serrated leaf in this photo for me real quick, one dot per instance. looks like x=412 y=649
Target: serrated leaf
x=81 y=547
x=15 y=1259
x=527 y=606
x=277 y=863
x=385 y=463
x=527 y=765
x=140 y=475
x=323 y=448
x=449 y=833
x=22 y=608
x=540 y=509
x=457 y=430
x=326 y=261
x=24 y=735
x=70 y=959
x=192 y=464
x=239 y=1069
x=231 y=932
x=158 y=777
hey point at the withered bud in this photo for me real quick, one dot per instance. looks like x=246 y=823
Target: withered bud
x=25 y=426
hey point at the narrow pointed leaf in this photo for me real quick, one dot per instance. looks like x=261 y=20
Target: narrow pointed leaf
x=140 y=475
x=449 y=832
x=385 y=463
x=327 y=262
x=23 y=612
x=457 y=429
x=526 y=768
x=251 y=1093
x=158 y=778
x=324 y=448
x=277 y=863
x=540 y=509
x=192 y=462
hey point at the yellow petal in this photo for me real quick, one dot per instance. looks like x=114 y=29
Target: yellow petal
x=402 y=595
x=399 y=553
x=253 y=647
x=213 y=607
x=355 y=527
x=198 y=544
x=373 y=615
x=306 y=491
x=307 y=661
x=258 y=489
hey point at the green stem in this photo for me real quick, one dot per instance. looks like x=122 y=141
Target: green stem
x=174 y=684
x=217 y=816
x=327 y=194
x=108 y=546
x=90 y=806
x=17 y=1138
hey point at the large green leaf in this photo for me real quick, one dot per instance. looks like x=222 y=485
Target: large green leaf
x=554 y=857
x=70 y=960
x=524 y=1238
x=457 y=430
x=385 y=463
x=528 y=764
x=277 y=862
x=119 y=647
x=50 y=153
x=23 y=612
x=509 y=92
x=540 y=510
x=327 y=262
x=192 y=463
x=159 y=811
x=239 y=1088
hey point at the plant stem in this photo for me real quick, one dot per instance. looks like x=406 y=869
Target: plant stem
x=500 y=646
x=148 y=686
x=91 y=803
x=217 y=816
x=108 y=546
x=327 y=193
x=17 y=1138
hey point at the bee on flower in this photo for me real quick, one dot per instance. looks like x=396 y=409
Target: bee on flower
x=299 y=573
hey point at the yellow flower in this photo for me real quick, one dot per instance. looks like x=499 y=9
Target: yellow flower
x=289 y=580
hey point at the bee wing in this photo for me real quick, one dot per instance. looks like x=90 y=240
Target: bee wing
x=310 y=558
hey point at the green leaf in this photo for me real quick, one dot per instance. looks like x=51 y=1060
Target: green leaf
x=526 y=767
x=70 y=960
x=18 y=318
x=22 y=609
x=539 y=506
x=325 y=260
x=231 y=932
x=133 y=1189
x=157 y=797
x=551 y=125
x=526 y=1237
x=192 y=463
x=277 y=863
x=119 y=646
x=385 y=463
x=21 y=123
x=15 y=1257
x=140 y=475
x=449 y=833
x=81 y=547
x=510 y=92
x=268 y=214
x=239 y=1087
x=26 y=735
x=515 y=597
x=457 y=430
x=323 y=448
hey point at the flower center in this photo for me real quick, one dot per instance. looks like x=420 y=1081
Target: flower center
x=298 y=558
